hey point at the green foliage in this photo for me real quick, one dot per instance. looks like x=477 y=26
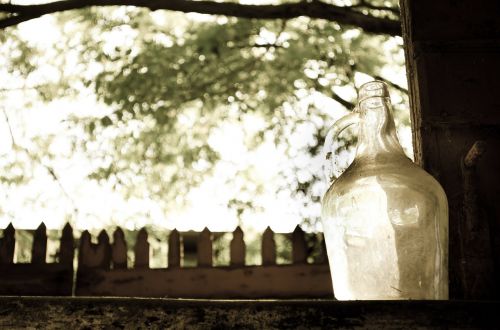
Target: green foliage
x=171 y=81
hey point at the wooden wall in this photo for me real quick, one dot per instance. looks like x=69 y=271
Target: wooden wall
x=453 y=63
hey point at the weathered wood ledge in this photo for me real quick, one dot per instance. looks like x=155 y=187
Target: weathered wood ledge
x=157 y=313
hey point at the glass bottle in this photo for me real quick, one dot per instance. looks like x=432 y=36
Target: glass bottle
x=385 y=219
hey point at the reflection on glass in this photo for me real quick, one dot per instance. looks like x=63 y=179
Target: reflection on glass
x=385 y=219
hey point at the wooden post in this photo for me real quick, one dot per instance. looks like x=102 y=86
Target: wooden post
x=7 y=244
x=238 y=249
x=141 y=250
x=174 y=249
x=119 y=250
x=268 y=248
x=452 y=68
x=205 y=248
x=299 y=246
x=39 y=247
x=67 y=248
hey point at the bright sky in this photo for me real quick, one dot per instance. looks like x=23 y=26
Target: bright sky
x=44 y=200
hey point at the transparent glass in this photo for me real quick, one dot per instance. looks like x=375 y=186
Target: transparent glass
x=385 y=219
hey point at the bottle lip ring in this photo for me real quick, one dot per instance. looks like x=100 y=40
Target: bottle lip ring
x=369 y=97
x=371 y=82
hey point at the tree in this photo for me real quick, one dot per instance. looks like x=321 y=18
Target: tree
x=356 y=15
x=174 y=81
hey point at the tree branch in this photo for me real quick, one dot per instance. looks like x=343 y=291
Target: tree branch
x=392 y=84
x=346 y=104
x=314 y=9
x=367 y=5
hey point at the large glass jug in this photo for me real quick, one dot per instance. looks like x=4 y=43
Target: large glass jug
x=385 y=219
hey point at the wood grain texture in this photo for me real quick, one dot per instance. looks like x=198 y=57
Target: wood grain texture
x=119 y=250
x=39 y=247
x=174 y=249
x=452 y=49
x=278 y=281
x=268 y=247
x=7 y=244
x=126 y=313
x=299 y=246
x=237 y=248
x=141 y=250
x=205 y=256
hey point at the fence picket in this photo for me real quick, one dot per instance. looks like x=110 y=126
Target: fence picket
x=67 y=247
x=39 y=248
x=85 y=251
x=205 y=248
x=268 y=248
x=299 y=246
x=94 y=255
x=7 y=244
x=104 y=249
x=141 y=249
x=237 y=248
x=94 y=277
x=174 y=249
x=119 y=250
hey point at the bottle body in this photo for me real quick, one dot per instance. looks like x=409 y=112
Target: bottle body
x=386 y=233
x=385 y=219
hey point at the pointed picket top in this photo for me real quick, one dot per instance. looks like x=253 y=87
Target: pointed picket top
x=39 y=247
x=205 y=248
x=299 y=246
x=85 y=238
x=268 y=248
x=67 y=247
x=119 y=250
x=238 y=248
x=174 y=249
x=7 y=244
x=141 y=249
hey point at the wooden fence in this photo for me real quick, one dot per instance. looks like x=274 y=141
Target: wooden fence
x=37 y=278
x=103 y=271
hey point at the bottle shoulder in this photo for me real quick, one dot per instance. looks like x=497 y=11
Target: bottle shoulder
x=400 y=173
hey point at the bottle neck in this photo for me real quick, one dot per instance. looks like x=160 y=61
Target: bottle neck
x=377 y=132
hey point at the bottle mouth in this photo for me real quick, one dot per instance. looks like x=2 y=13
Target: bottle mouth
x=371 y=89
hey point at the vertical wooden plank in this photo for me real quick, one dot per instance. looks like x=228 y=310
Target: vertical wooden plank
x=452 y=71
x=141 y=250
x=39 y=248
x=85 y=251
x=174 y=249
x=268 y=248
x=205 y=248
x=119 y=250
x=238 y=248
x=7 y=244
x=104 y=250
x=66 y=247
x=299 y=246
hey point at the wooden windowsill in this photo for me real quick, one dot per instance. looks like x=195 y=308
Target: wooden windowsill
x=133 y=313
